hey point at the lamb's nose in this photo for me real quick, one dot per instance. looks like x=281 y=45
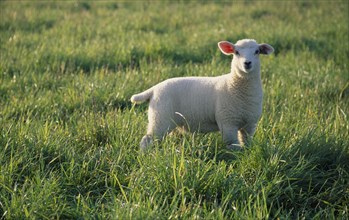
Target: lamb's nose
x=247 y=64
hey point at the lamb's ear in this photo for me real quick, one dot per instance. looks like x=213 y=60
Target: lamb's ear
x=266 y=49
x=226 y=47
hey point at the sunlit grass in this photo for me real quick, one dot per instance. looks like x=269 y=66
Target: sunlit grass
x=69 y=136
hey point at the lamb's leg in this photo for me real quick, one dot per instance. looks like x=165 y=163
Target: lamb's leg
x=154 y=132
x=230 y=137
x=159 y=125
x=146 y=141
x=245 y=134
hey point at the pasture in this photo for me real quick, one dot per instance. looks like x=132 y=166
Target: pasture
x=69 y=136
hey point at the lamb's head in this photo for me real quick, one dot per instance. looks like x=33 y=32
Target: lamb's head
x=245 y=55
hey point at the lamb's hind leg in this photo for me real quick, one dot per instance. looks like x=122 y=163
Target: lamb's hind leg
x=146 y=141
x=159 y=125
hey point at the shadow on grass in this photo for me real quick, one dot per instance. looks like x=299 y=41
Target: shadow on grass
x=74 y=63
x=65 y=111
x=36 y=26
x=321 y=46
x=335 y=94
x=314 y=175
x=307 y=177
x=64 y=63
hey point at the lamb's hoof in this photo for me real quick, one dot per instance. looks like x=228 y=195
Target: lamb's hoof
x=145 y=142
x=234 y=147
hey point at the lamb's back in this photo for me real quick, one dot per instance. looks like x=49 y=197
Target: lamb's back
x=192 y=100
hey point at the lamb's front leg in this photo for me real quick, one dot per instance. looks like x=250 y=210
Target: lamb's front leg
x=246 y=133
x=230 y=137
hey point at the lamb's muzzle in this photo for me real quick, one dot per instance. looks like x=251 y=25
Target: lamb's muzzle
x=231 y=103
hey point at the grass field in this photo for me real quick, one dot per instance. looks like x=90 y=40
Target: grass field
x=69 y=136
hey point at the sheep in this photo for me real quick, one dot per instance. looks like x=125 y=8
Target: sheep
x=230 y=103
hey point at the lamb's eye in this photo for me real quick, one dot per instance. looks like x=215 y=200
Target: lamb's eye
x=256 y=52
x=237 y=53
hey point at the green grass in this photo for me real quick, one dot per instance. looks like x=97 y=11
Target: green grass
x=69 y=135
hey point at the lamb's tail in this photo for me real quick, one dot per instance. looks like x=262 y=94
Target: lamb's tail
x=142 y=97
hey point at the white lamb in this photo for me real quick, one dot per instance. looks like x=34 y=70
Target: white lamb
x=230 y=103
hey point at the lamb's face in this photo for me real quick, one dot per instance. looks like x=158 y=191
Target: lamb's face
x=246 y=57
x=245 y=54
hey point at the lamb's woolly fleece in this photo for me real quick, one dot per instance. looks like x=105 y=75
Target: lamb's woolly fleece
x=230 y=103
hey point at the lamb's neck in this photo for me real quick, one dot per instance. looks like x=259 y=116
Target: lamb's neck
x=246 y=84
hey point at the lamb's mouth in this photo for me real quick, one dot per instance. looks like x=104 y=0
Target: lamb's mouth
x=247 y=70
x=248 y=67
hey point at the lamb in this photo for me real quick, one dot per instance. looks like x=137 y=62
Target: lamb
x=231 y=103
